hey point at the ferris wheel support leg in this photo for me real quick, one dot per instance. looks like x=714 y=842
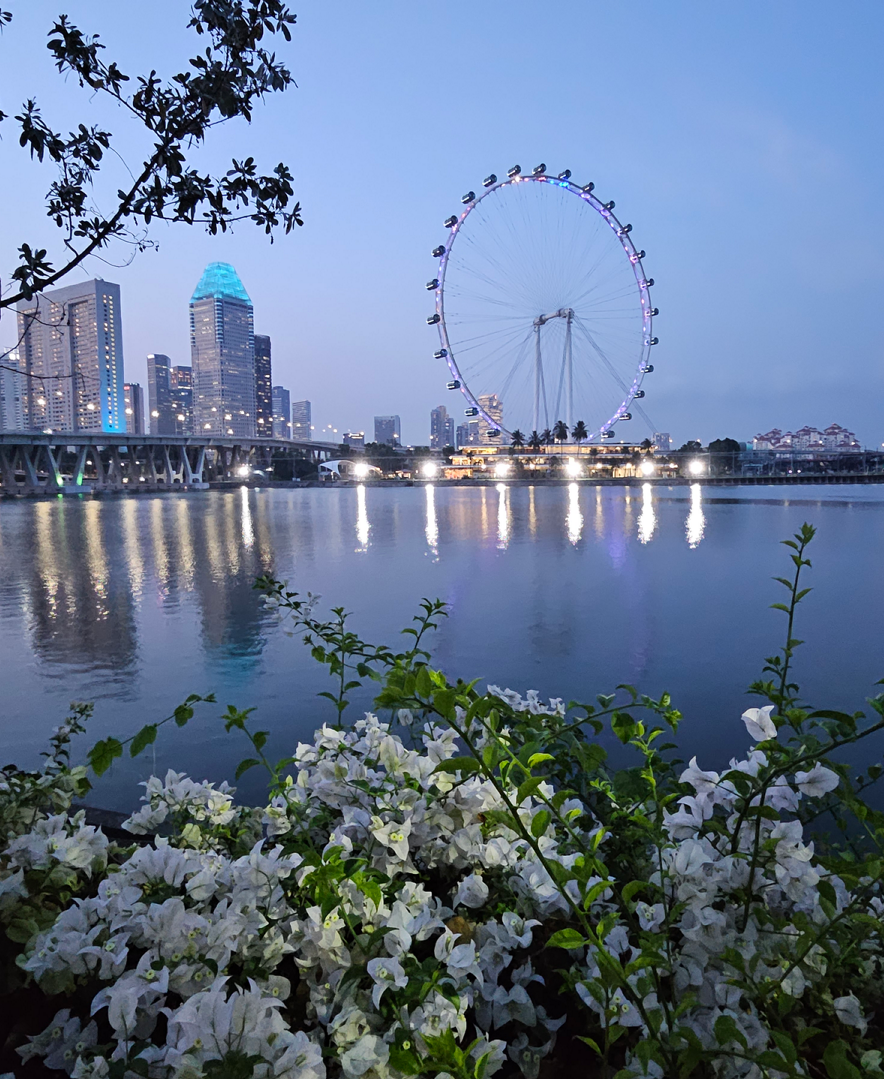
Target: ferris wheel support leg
x=537 y=377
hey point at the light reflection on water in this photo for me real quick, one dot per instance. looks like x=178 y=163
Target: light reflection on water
x=136 y=602
x=695 y=526
x=575 y=517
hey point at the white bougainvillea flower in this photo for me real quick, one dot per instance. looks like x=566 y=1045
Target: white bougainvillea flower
x=817 y=782
x=369 y=1052
x=471 y=892
x=386 y=974
x=759 y=724
x=849 y=1012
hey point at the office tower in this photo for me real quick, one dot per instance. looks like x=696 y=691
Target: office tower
x=181 y=399
x=159 y=405
x=355 y=439
x=71 y=347
x=263 y=386
x=492 y=405
x=662 y=442
x=387 y=430
x=12 y=394
x=222 y=344
x=282 y=412
x=468 y=434
x=133 y=408
x=302 y=429
x=441 y=428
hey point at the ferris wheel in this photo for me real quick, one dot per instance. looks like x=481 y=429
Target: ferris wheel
x=543 y=308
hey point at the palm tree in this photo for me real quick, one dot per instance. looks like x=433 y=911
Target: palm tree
x=560 y=431
x=517 y=440
x=579 y=433
x=546 y=437
x=535 y=441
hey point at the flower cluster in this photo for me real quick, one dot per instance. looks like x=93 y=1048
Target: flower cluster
x=408 y=913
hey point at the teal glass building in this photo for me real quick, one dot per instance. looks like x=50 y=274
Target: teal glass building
x=222 y=345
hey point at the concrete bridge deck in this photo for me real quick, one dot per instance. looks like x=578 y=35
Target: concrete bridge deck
x=82 y=462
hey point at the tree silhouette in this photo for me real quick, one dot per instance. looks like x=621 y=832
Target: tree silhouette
x=535 y=442
x=579 y=433
x=517 y=439
x=560 y=431
x=547 y=437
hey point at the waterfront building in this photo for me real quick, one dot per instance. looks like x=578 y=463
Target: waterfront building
x=12 y=394
x=281 y=425
x=71 y=351
x=181 y=398
x=302 y=424
x=263 y=386
x=355 y=439
x=492 y=405
x=662 y=442
x=387 y=430
x=834 y=438
x=441 y=428
x=222 y=342
x=133 y=408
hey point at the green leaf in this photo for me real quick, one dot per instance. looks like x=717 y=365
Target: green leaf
x=102 y=755
x=623 y=726
x=566 y=938
x=540 y=822
x=423 y=684
x=465 y=765
x=245 y=765
x=727 y=1031
x=182 y=714
x=633 y=888
x=539 y=758
x=259 y=739
x=528 y=787
x=836 y=1062
x=145 y=737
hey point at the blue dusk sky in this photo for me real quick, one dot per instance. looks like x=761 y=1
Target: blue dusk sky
x=742 y=140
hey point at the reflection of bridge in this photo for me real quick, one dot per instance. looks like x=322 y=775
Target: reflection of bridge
x=76 y=463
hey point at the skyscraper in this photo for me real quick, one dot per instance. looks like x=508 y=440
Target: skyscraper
x=282 y=412
x=263 y=386
x=492 y=405
x=387 y=430
x=302 y=429
x=133 y=401
x=222 y=344
x=468 y=434
x=71 y=346
x=12 y=394
x=159 y=395
x=181 y=399
x=441 y=428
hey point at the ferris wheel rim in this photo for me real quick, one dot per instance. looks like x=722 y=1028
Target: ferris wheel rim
x=585 y=193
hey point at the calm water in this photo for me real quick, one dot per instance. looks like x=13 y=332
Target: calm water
x=134 y=603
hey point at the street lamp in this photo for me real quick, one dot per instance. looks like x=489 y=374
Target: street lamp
x=696 y=467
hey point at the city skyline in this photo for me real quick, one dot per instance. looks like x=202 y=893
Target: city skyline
x=750 y=123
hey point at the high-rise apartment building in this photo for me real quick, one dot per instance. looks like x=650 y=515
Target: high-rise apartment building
x=441 y=428
x=181 y=398
x=662 y=442
x=71 y=350
x=133 y=408
x=263 y=386
x=302 y=429
x=468 y=434
x=222 y=344
x=158 y=394
x=354 y=439
x=492 y=406
x=12 y=394
x=282 y=412
x=387 y=430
